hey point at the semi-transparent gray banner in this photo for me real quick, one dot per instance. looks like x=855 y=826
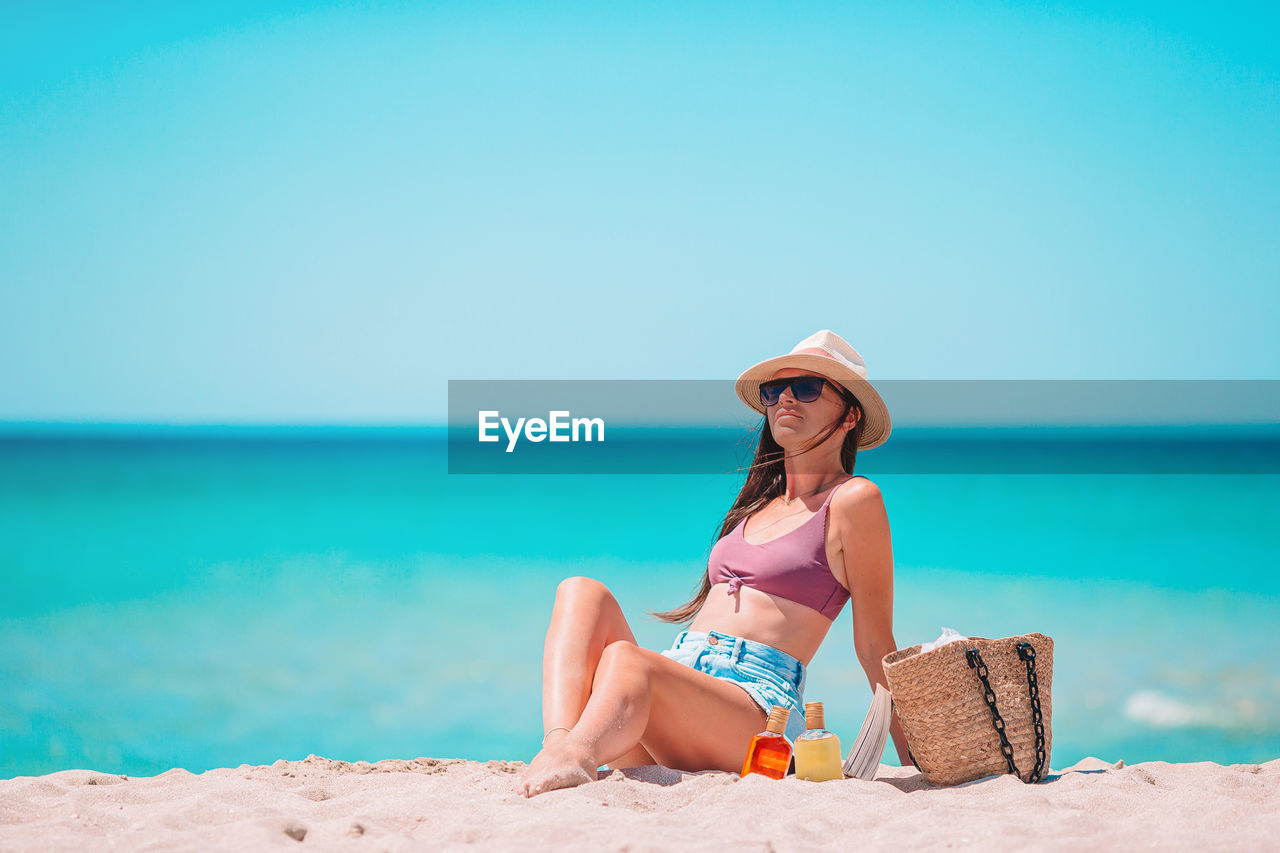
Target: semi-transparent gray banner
x=689 y=426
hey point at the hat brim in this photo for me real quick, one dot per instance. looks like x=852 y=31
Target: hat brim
x=874 y=412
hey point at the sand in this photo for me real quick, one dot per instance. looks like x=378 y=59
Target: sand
x=432 y=803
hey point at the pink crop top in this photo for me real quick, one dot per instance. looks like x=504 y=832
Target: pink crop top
x=792 y=566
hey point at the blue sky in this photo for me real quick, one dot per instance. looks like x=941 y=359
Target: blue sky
x=305 y=213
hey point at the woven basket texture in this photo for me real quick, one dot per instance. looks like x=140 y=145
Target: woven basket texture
x=940 y=705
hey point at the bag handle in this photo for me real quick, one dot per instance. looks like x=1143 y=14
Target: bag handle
x=1027 y=653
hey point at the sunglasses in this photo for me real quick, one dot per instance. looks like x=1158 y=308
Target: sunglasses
x=806 y=389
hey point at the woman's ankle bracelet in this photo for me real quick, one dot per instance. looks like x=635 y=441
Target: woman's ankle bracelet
x=548 y=734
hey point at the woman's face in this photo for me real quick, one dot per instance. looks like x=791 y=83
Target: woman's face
x=793 y=421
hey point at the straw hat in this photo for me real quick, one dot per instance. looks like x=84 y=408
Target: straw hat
x=826 y=353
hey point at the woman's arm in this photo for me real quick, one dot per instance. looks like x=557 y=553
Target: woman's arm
x=868 y=566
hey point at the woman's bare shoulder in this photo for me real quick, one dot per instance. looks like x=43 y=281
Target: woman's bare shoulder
x=858 y=503
x=859 y=489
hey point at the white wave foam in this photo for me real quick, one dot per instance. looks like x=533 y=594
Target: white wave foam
x=1168 y=712
x=1163 y=710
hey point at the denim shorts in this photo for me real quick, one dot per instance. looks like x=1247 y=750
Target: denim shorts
x=770 y=676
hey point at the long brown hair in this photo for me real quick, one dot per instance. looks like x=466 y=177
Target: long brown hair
x=766 y=480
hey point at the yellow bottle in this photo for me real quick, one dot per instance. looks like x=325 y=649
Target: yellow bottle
x=817 y=750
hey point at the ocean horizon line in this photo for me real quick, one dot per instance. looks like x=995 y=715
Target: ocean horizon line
x=437 y=431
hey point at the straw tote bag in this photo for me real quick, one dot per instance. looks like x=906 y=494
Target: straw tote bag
x=975 y=707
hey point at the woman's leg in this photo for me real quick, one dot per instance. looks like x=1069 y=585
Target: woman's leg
x=685 y=718
x=584 y=620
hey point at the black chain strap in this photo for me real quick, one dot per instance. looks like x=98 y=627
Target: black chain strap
x=1027 y=653
x=975 y=662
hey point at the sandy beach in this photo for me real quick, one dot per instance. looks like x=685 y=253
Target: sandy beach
x=431 y=803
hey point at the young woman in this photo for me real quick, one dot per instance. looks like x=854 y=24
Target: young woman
x=803 y=537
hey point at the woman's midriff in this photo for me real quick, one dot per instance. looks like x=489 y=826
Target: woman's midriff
x=754 y=615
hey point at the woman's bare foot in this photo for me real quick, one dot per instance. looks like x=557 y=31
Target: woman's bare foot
x=564 y=762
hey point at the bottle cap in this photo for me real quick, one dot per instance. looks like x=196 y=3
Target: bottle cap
x=778 y=719
x=813 y=716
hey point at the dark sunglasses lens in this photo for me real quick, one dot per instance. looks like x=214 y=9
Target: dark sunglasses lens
x=807 y=390
x=804 y=390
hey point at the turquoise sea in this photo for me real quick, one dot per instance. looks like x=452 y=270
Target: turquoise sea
x=236 y=597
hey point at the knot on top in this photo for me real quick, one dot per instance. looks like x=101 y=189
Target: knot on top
x=734 y=584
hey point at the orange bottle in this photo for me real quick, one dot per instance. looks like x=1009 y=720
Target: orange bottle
x=770 y=752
